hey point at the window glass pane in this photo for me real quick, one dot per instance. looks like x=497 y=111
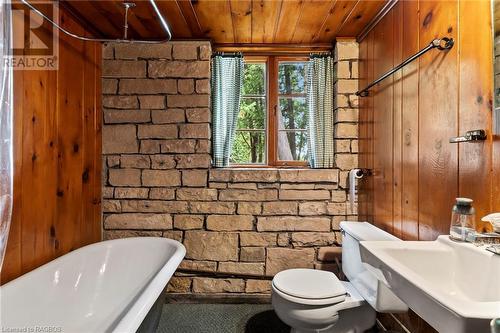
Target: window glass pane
x=292 y=145
x=291 y=78
x=293 y=113
x=254 y=82
x=249 y=147
x=252 y=113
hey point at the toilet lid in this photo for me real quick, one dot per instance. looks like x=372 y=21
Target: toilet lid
x=308 y=283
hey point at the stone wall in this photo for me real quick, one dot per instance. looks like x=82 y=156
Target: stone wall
x=158 y=180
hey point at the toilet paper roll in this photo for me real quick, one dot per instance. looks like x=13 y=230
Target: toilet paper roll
x=353 y=175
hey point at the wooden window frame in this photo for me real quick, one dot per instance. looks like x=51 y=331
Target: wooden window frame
x=272 y=105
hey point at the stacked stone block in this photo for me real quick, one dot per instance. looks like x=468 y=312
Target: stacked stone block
x=346 y=123
x=158 y=180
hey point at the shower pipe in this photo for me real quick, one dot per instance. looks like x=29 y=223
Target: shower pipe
x=442 y=44
x=127 y=5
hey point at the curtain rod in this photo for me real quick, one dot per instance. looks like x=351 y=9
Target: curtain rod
x=267 y=49
x=321 y=55
x=227 y=54
x=436 y=43
x=127 y=6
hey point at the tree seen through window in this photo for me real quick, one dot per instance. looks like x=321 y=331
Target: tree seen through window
x=252 y=141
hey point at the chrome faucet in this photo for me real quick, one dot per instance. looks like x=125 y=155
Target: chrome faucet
x=490 y=241
x=493 y=235
x=490 y=238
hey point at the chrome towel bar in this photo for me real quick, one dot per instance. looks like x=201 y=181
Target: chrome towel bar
x=442 y=44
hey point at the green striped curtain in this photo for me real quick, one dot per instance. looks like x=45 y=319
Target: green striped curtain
x=320 y=104
x=226 y=81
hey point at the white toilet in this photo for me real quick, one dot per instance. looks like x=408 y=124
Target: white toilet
x=311 y=300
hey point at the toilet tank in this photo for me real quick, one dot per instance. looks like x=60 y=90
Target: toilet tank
x=377 y=294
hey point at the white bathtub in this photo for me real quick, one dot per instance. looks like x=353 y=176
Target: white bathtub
x=104 y=287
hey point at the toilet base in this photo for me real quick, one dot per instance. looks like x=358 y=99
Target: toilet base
x=354 y=320
x=353 y=315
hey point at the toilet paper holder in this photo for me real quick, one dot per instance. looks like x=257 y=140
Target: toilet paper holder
x=353 y=175
x=360 y=173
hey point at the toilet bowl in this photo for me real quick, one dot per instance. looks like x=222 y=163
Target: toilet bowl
x=311 y=300
x=321 y=306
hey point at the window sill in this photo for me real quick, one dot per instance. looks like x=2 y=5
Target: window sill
x=274 y=174
x=266 y=167
x=292 y=165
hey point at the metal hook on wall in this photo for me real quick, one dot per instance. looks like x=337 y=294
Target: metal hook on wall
x=127 y=5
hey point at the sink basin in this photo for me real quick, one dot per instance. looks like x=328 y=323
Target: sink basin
x=453 y=286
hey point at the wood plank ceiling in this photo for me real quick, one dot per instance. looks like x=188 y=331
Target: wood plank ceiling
x=233 y=21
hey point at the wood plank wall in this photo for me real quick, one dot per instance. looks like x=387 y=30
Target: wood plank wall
x=407 y=121
x=57 y=179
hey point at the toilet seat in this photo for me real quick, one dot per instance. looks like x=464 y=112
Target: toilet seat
x=309 y=287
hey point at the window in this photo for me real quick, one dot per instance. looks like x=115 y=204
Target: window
x=271 y=128
x=250 y=140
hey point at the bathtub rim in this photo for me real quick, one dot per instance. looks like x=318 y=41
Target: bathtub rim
x=129 y=321
x=132 y=319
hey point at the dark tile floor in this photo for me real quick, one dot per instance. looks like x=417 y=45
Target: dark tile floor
x=220 y=318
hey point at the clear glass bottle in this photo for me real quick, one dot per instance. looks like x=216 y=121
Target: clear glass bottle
x=463 y=220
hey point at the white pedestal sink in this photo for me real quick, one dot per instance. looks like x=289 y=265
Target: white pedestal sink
x=455 y=287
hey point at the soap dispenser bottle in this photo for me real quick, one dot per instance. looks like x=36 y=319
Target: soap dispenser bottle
x=463 y=220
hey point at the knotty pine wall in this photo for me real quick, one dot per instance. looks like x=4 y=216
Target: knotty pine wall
x=57 y=192
x=407 y=121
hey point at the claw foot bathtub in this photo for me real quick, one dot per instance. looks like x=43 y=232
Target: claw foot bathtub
x=111 y=286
